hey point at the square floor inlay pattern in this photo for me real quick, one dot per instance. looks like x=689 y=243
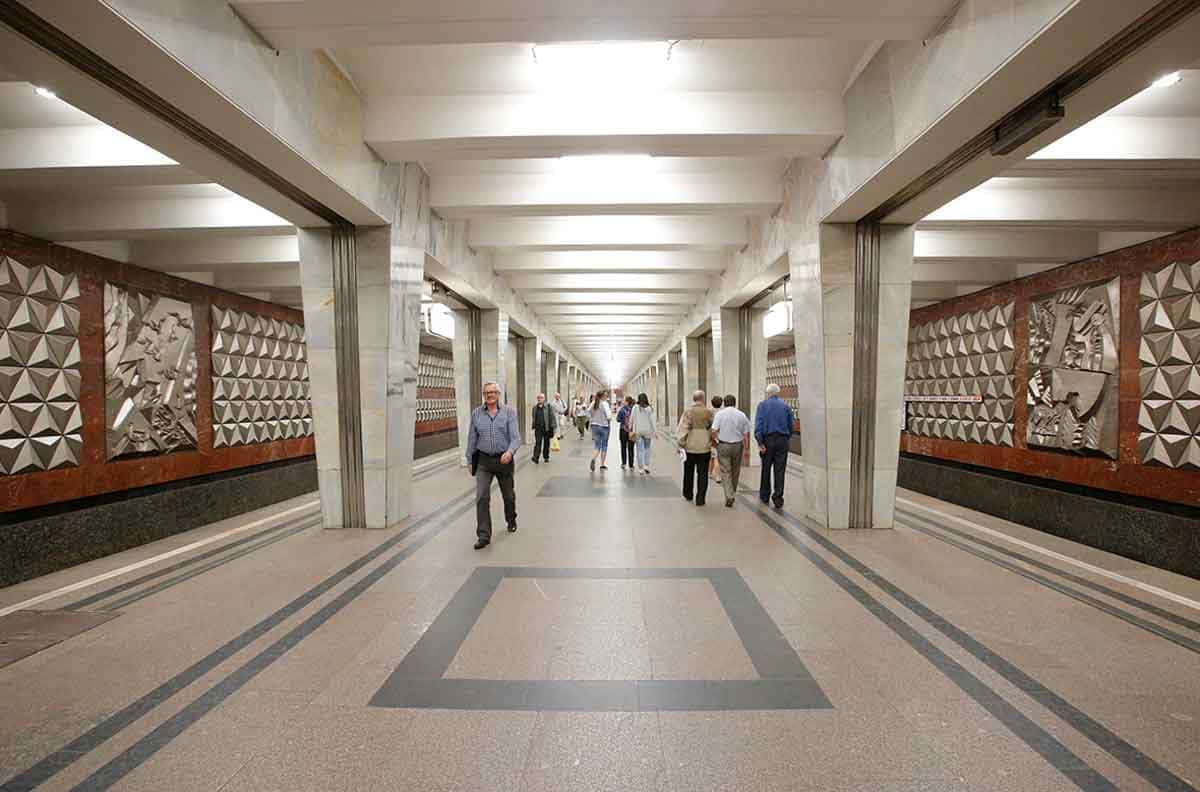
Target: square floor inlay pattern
x=609 y=484
x=536 y=638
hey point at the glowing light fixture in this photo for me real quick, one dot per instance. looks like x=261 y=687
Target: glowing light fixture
x=1167 y=80
x=45 y=93
x=619 y=66
x=778 y=319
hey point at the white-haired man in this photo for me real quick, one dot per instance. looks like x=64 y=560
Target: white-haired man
x=492 y=444
x=773 y=425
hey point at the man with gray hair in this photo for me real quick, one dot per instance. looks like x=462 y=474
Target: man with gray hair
x=492 y=443
x=773 y=425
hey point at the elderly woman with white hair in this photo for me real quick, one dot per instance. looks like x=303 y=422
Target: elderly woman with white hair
x=773 y=425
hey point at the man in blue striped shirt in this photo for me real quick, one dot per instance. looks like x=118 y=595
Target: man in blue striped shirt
x=492 y=444
x=773 y=424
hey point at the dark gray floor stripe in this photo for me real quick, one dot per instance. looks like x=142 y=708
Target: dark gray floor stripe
x=162 y=735
x=138 y=596
x=1121 y=596
x=1128 y=755
x=1045 y=744
x=51 y=765
x=1184 y=641
x=92 y=599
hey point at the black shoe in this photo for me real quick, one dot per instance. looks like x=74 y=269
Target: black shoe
x=512 y=527
x=593 y=466
x=687 y=498
x=765 y=501
x=778 y=505
x=729 y=503
x=482 y=543
x=535 y=460
x=604 y=467
x=699 y=503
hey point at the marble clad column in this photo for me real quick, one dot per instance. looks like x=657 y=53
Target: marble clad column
x=690 y=356
x=823 y=281
x=728 y=326
x=316 y=282
x=494 y=347
x=462 y=379
x=532 y=350
x=390 y=275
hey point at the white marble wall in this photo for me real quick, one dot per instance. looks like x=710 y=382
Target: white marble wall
x=823 y=314
x=674 y=370
x=316 y=281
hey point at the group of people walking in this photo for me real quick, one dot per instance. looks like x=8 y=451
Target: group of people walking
x=717 y=437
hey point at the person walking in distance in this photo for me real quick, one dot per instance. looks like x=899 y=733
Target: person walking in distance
x=492 y=443
x=600 y=419
x=623 y=424
x=773 y=425
x=695 y=427
x=642 y=425
x=714 y=468
x=560 y=414
x=731 y=432
x=544 y=425
x=581 y=416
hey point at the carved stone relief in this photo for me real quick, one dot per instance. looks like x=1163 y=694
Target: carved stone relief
x=40 y=420
x=149 y=373
x=1073 y=374
x=260 y=379
x=1169 y=416
x=965 y=355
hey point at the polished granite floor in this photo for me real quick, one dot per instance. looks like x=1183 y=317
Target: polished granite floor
x=622 y=639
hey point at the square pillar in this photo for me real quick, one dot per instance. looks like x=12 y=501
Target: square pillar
x=690 y=357
x=463 y=401
x=729 y=326
x=823 y=277
x=531 y=350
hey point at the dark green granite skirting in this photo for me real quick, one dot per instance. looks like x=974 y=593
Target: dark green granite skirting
x=38 y=541
x=1161 y=534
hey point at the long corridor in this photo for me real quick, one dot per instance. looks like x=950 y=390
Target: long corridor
x=621 y=639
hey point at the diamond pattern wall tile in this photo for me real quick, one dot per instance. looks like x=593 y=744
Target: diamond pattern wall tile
x=40 y=420
x=963 y=355
x=260 y=379
x=1169 y=416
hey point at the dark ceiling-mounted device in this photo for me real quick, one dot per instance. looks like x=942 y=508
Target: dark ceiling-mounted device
x=1016 y=132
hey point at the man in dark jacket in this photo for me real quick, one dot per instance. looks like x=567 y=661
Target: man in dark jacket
x=544 y=425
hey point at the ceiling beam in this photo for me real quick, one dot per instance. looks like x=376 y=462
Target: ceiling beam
x=609 y=261
x=72 y=220
x=1005 y=202
x=519 y=126
x=315 y=24
x=609 y=232
x=611 y=297
x=751 y=192
x=623 y=280
x=216 y=252
x=551 y=312
x=992 y=245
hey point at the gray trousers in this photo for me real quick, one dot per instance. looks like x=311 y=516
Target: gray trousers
x=729 y=457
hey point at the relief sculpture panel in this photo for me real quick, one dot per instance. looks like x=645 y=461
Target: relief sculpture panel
x=1073 y=373
x=959 y=383
x=1169 y=414
x=260 y=379
x=40 y=420
x=149 y=373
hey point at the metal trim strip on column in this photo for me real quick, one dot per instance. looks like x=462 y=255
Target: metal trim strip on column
x=349 y=386
x=866 y=363
x=475 y=347
x=745 y=350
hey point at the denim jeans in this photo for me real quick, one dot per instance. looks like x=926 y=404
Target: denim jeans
x=643 y=450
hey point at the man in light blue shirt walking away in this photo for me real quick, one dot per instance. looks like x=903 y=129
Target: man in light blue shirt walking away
x=492 y=444
x=773 y=424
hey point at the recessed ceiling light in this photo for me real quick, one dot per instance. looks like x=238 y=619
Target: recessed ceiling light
x=45 y=93
x=1166 y=81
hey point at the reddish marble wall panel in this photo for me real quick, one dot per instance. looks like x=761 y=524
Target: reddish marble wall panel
x=94 y=476
x=1125 y=474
